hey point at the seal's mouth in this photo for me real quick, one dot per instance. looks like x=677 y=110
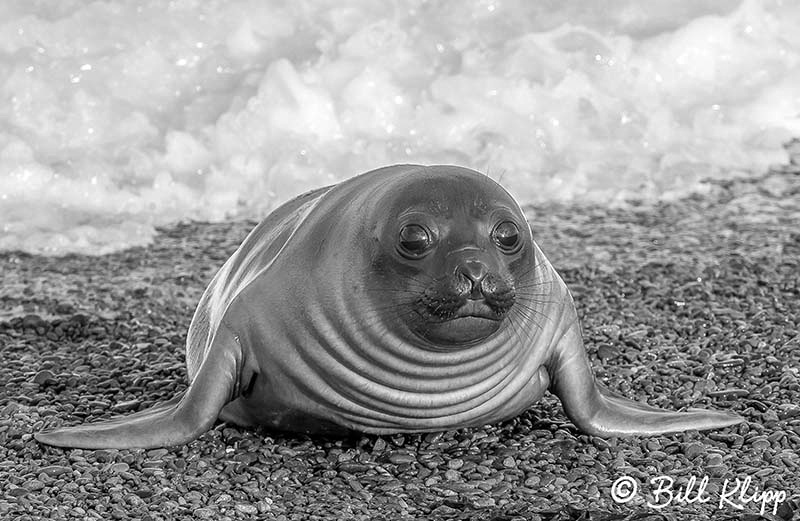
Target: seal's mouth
x=476 y=309
x=472 y=322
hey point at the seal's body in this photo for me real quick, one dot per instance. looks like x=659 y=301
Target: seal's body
x=406 y=299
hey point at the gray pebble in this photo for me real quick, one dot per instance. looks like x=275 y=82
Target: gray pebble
x=246 y=509
x=399 y=457
x=204 y=513
x=55 y=470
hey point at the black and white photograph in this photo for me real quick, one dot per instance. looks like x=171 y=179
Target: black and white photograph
x=497 y=260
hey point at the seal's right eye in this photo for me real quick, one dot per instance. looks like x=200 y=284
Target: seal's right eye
x=415 y=240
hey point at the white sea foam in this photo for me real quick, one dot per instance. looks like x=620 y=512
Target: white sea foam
x=120 y=116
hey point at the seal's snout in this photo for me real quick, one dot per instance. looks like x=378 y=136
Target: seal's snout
x=474 y=271
x=476 y=282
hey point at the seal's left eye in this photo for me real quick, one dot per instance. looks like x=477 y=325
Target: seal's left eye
x=415 y=240
x=506 y=235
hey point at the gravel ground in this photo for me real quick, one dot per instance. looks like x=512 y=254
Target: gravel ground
x=689 y=303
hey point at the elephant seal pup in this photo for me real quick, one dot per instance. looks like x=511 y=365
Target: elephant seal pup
x=406 y=299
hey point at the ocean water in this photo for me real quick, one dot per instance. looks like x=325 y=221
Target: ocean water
x=117 y=117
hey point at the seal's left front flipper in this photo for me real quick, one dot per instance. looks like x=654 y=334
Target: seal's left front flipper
x=177 y=421
x=596 y=410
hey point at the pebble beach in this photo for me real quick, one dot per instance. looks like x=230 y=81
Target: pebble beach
x=690 y=303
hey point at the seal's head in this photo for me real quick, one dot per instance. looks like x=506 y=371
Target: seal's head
x=452 y=251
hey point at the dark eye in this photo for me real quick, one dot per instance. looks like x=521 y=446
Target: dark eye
x=415 y=240
x=506 y=235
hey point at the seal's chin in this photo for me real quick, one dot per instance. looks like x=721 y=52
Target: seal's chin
x=472 y=323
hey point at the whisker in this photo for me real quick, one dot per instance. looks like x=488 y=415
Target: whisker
x=531 y=300
x=529 y=319
x=535 y=284
x=535 y=311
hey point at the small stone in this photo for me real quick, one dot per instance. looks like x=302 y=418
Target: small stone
x=33 y=485
x=714 y=460
x=455 y=464
x=246 y=457
x=391 y=485
x=44 y=377
x=607 y=352
x=79 y=318
x=657 y=455
x=560 y=482
x=64 y=308
x=280 y=474
x=55 y=470
x=10 y=408
x=776 y=436
x=600 y=443
x=246 y=509
x=501 y=490
x=194 y=496
x=444 y=511
x=760 y=443
x=102 y=455
x=120 y=467
x=788 y=410
x=204 y=513
x=143 y=493
x=400 y=457
x=533 y=482
x=353 y=468
x=729 y=393
x=722 y=436
x=483 y=502
x=32 y=321
x=716 y=471
x=693 y=450
x=729 y=362
x=380 y=445
x=653 y=445
x=128 y=406
x=433 y=437
x=157 y=453
x=17 y=492
x=452 y=475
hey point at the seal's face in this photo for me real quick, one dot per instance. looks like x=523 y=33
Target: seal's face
x=454 y=248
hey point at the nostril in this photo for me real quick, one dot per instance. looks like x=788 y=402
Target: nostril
x=475 y=272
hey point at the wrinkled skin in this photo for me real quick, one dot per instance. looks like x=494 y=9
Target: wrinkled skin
x=406 y=299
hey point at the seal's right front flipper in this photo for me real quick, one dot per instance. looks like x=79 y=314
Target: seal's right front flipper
x=596 y=410
x=178 y=421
